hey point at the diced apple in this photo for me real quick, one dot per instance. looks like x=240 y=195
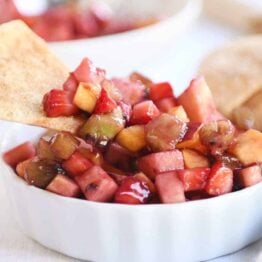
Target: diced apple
x=198 y=102
x=132 y=138
x=160 y=90
x=64 y=186
x=43 y=149
x=248 y=147
x=170 y=188
x=194 y=179
x=194 y=159
x=97 y=185
x=165 y=104
x=164 y=132
x=156 y=163
x=86 y=96
x=179 y=112
x=21 y=167
x=251 y=175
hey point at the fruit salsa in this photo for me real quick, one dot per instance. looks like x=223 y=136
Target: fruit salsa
x=139 y=143
x=69 y=21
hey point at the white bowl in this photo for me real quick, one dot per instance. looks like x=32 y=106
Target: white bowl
x=141 y=45
x=192 y=231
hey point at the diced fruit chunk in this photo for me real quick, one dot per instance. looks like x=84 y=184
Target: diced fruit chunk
x=64 y=186
x=97 y=185
x=144 y=112
x=21 y=168
x=76 y=164
x=250 y=175
x=132 y=191
x=179 y=112
x=160 y=90
x=220 y=180
x=86 y=96
x=170 y=188
x=165 y=104
x=64 y=144
x=248 y=147
x=19 y=153
x=142 y=177
x=194 y=159
x=132 y=138
x=104 y=104
x=43 y=149
x=135 y=76
x=198 y=102
x=156 y=163
x=194 y=179
x=71 y=83
x=164 y=132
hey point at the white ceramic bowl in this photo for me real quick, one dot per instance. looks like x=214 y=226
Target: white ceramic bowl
x=141 y=45
x=192 y=231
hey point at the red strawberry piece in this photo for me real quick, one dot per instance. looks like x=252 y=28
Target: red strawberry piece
x=104 y=104
x=59 y=103
x=220 y=180
x=132 y=191
x=194 y=179
x=160 y=90
x=19 y=154
x=165 y=104
x=71 y=83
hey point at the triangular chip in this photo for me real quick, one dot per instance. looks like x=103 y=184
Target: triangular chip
x=28 y=70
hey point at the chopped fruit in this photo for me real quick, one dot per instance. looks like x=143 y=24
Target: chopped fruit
x=165 y=104
x=198 y=102
x=97 y=185
x=63 y=145
x=132 y=92
x=194 y=179
x=161 y=162
x=59 y=103
x=194 y=159
x=102 y=128
x=92 y=154
x=179 y=112
x=71 y=83
x=43 y=149
x=248 y=147
x=250 y=176
x=104 y=104
x=117 y=174
x=132 y=138
x=142 y=177
x=160 y=90
x=112 y=91
x=229 y=161
x=170 y=188
x=132 y=191
x=76 y=164
x=19 y=154
x=86 y=96
x=191 y=139
x=126 y=110
x=135 y=76
x=40 y=172
x=64 y=186
x=87 y=73
x=143 y=113
x=164 y=132
x=217 y=136
x=220 y=180
x=21 y=167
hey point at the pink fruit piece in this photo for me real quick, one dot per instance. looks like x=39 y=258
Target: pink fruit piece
x=104 y=104
x=160 y=90
x=64 y=186
x=170 y=188
x=19 y=154
x=156 y=163
x=164 y=132
x=251 y=175
x=132 y=191
x=71 y=83
x=165 y=104
x=126 y=110
x=97 y=185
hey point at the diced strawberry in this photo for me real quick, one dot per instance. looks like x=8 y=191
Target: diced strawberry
x=21 y=167
x=250 y=175
x=76 y=164
x=88 y=73
x=194 y=179
x=170 y=188
x=220 y=180
x=71 y=83
x=126 y=109
x=132 y=191
x=97 y=185
x=160 y=90
x=112 y=91
x=64 y=186
x=132 y=92
x=156 y=163
x=144 y=112
x=19 y=154
x=104 y=104
x=165 y=104
x=59 y=103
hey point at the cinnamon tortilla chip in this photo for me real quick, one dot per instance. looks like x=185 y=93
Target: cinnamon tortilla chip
x=28 y=70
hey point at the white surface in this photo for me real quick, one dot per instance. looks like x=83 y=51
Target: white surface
x=177 y=64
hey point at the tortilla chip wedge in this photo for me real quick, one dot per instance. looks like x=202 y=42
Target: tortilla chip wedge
x=28 y=70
